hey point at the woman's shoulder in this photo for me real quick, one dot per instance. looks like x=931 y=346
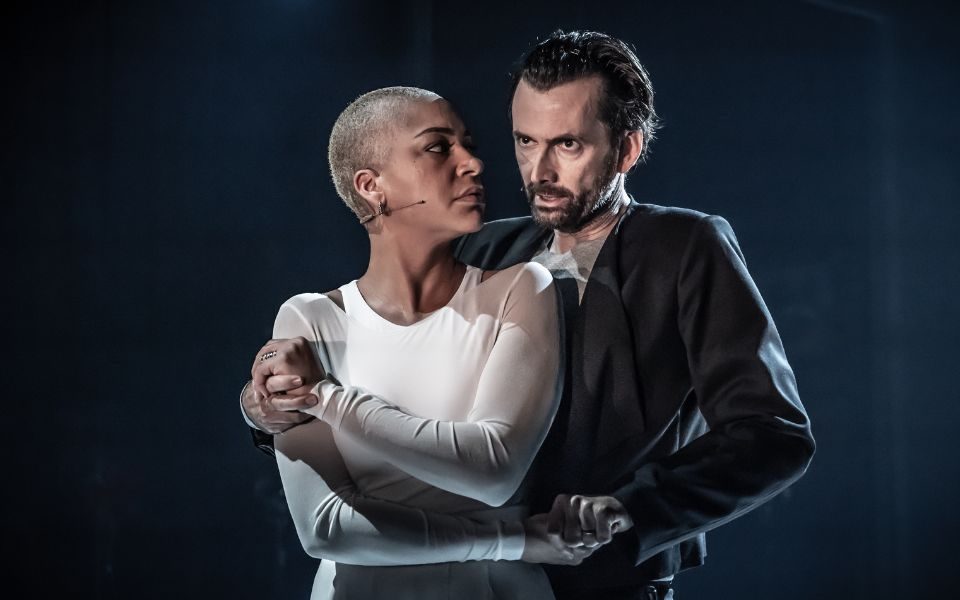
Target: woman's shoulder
x=526 y=276
x=313 y=305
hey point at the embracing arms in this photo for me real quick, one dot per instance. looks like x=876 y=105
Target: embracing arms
x=485 y=456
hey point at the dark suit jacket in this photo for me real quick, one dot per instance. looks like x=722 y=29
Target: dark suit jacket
x=679 y=399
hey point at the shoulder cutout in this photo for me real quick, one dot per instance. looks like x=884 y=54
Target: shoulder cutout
x=487 y=275
x=337 y=297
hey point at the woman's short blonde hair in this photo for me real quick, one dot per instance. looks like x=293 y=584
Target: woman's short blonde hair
x=360 y=137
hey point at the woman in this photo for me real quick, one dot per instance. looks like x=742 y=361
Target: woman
x=440 y=381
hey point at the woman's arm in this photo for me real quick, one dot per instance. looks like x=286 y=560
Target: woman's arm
x=486 y=456
x=335 y=521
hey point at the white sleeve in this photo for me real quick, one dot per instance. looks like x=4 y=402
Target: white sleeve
x=335 y=521
x=486 y=456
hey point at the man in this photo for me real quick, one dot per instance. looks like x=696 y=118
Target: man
x=680 y=411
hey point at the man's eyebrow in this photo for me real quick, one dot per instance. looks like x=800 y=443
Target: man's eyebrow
x=444 y=130
x=553 y=140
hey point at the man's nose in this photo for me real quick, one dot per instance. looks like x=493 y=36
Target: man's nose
x=544 y=171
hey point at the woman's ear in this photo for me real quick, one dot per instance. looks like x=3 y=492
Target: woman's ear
x=367 y=183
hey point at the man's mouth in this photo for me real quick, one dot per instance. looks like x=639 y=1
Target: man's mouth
x=549 y=201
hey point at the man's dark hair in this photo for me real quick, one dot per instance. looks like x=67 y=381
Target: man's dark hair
x=626 y=102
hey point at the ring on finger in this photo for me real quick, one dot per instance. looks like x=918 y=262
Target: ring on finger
x=267 y=355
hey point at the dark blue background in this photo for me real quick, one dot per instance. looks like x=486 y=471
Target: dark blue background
x=164 y=189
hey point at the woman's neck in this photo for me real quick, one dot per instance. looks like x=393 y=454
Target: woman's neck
x=405 y=281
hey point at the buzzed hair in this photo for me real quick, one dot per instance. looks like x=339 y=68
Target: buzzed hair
x=357 y=139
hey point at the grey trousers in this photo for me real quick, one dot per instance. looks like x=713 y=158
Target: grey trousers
x=649 y=591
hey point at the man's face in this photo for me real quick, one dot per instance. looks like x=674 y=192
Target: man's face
x=564 y=152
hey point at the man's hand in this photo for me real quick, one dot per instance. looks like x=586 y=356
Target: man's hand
x=541 y=546
x=277 y=413
x=587 y=520
x=290 y=359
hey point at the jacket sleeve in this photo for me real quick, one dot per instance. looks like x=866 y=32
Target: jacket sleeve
x=759 y=438
x=262 y=440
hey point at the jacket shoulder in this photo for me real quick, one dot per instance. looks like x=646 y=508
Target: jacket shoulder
x=661 y=237
x=666 y=219
x=500 y=244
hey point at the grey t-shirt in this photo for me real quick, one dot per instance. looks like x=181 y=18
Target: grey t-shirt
x=575 y=264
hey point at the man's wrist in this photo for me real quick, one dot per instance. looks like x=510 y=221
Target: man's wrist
x=243 y=407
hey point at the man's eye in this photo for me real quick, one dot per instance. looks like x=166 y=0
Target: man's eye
x=523 y=140
x=569 y=144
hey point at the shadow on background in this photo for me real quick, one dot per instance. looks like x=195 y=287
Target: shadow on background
x=165 y=189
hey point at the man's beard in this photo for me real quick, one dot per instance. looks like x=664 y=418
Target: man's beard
x=579 y=209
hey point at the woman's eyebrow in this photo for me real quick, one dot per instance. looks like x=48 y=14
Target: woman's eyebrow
x=444 y=130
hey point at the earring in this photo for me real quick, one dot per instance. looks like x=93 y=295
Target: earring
x=380 y=211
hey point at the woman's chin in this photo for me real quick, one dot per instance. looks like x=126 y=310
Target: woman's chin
x=476 y=226
x=466 y=224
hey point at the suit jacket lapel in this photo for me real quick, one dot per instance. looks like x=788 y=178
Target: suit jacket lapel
x=603 y=378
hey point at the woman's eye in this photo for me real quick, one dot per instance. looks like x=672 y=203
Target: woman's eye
x=439 y=147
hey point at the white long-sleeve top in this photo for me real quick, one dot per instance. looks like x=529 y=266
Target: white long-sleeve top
x=418 y=454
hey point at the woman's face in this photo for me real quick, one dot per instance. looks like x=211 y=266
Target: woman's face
x=431 y=159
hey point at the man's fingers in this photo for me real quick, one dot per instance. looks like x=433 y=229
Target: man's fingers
x=278 y=419
x=571 y=521
x=588 y=523
x=604 y=520
x=285 y=403
x=286 y=421
x=282 y=383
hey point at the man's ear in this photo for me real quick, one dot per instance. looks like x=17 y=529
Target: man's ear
x=367 y=183
x=631 y=147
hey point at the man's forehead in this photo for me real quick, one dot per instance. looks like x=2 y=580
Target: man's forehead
x=569 y=105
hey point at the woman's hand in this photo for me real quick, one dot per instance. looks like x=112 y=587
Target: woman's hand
x=276 y=413
x=287 y=367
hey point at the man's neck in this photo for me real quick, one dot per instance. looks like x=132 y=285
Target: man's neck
x=597 y=228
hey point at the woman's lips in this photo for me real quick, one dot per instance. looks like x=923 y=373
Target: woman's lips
x=473 y=198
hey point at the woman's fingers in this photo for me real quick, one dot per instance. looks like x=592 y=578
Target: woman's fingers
x=286 y=404
x=283 y=383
